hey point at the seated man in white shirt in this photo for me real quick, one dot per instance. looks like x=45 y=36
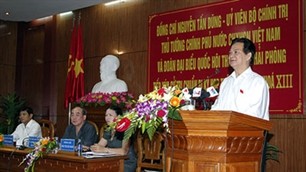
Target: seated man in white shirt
x=109 y=82
x=243 y=91
x=27 y=127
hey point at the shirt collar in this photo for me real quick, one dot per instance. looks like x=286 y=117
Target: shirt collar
x=243 y=74
x=29 y=123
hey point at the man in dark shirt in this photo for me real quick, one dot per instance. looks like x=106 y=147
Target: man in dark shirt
x=80 y=128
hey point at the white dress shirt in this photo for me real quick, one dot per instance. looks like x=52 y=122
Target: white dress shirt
x=23 y=131
x=248 y=93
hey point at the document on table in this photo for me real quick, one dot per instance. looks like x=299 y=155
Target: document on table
x=97 y=155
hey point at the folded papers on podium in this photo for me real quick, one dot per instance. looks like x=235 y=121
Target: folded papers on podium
x=97 y=155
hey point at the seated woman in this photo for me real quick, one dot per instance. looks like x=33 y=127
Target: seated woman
x=112 y=142
x=27 y=127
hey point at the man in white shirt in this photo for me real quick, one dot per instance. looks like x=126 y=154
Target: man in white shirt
x=244 y=90
x=27 y=127
x=109 y=82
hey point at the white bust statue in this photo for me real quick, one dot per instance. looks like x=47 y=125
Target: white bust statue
x=109 y=82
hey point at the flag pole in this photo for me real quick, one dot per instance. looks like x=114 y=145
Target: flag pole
x=69 y=113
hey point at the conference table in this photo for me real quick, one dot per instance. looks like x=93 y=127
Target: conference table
x=10 y=158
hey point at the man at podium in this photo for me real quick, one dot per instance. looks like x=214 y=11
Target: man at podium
x=244 y=90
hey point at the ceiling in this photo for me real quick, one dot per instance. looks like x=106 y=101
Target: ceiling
x=28 y=10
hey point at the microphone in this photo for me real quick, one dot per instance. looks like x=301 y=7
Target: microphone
x=204 y=94
x=23 y=145
x=209 y=92
x=217 y=71
x=200 y=93
x=212 y=91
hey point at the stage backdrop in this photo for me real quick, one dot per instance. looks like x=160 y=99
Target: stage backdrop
x=188 y=46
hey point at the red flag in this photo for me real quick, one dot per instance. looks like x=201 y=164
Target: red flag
x=75 y=74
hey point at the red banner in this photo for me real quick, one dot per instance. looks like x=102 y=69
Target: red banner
x=187 y=46
x=75 y=74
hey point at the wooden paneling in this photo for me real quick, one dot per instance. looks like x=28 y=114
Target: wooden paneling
x=134 y=71
x=32 y=70
x=8 y=41
x=289 y=135
x=101 y=31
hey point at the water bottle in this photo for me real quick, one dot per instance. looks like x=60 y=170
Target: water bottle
x=57 y=145
x=79 y=147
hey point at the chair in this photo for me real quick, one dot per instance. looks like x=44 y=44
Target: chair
x=96 y=127
x=150 y=153
x=47 y=128
x=102 y=129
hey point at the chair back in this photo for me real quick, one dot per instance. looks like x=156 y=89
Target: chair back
x=150 y=152
x=102 y=129
x=96 y=127
x=47 y=128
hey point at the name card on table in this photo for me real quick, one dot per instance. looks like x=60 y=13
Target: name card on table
x=32 y=141
x=67 y=145
x=8 y=140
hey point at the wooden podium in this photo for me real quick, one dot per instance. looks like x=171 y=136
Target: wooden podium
x=215 y=141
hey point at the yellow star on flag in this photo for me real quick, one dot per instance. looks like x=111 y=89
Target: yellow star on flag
x=78 y=68
x=70 y=63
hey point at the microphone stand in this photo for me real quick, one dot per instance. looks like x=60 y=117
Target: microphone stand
x=203 y=97
x=217 y=71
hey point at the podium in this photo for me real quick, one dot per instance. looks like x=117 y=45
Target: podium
x=215 y=141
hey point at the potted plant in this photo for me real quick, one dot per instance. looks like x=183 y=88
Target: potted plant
x=152 y=111
x=270 y=152
x=10 y=105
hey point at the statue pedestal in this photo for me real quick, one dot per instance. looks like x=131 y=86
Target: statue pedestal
x=215 y=141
